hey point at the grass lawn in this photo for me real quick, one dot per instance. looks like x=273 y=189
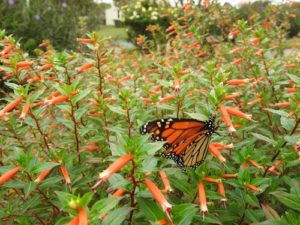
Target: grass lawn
x=113 y=32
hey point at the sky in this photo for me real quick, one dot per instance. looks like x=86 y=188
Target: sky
x=232 y=2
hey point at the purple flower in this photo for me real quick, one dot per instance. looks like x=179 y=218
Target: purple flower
x=49 y=8
x=64 y=5
x=37 y=17
x=11 y=2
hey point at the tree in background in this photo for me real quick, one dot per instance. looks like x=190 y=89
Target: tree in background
x=33 y=21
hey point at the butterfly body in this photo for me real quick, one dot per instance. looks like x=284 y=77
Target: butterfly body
x=186 y=140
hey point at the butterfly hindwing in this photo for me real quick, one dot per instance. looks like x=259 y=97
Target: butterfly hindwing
x=186 y=140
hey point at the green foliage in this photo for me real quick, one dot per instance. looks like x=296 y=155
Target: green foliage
x=140 y=14
x=77 y=151
x=58 y=21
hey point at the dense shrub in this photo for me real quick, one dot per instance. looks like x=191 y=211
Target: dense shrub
x=216 y=22
x=58 y=21
x=143 y=13
x=263 y=10
x=70 y=147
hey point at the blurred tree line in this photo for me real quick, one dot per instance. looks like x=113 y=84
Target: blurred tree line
x=289 y=13
x=137 y=17
x=60 y=21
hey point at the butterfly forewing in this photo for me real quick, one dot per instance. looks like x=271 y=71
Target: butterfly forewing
x=186 y=139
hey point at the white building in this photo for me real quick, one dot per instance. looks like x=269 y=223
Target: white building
x=111 y=14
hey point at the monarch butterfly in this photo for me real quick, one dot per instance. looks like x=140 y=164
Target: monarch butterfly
x=186 y=140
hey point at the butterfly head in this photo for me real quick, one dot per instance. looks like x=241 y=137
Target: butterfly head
x=210 y=125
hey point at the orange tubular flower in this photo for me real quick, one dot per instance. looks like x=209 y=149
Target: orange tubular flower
x=147 y=100
x=85 y=67
x=255 y=164
x=177 y=85
x=117 y=165
x=104 y=60
x=9 y=174
x=282 y=104
x=44 y=44
x=82 y=216
x=24 y=64
x=211 y=180
x=237 y=61
x=238 y=113
x=42 y=176
x=46 y=67
x=214 y=151
x=232 y=96
x=140 y=40
x=92 y=146
x=253 y=188
x=165 y=180
x=238 y=49
x=290 y=90
x=202 y=199
x=11 y=106
x=167 y=98
x=85 y=40
x=24 y=112
x=65 y=174
x=159 y=197
x=74 y=221
x=272 y=169
x=118 y=193
x=228 y=175
x=80 y=219
x=255 y=101
x=56 y=100
x=7 y=49
x=237 y=82
x=255 y=40
x=227 y=119
x=222 y=192
x=290 y=65
x=220 y=146
x=201 y=54
x=259 y=52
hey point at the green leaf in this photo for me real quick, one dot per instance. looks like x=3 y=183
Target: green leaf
x=81 y=112
x=150 y=209
x=46 y=166
x=100 y=208
x=182 y=186
x=264 y=138
x=64 y=199
x=292 y=139
x=117 y=110
x=149 y=165
x=292 y=218
x=117 y=216
x=67 y=123
x=152 y=148
x=287 y=123
x=295 y=187
x=117 y=181
x=184 y=213
x=294 y=78
x=197 y=116
x=278 y=112
x=86 y=198
x=29 y=187
x=31 y=202
x=80 y=96
x=269 y=212
x=290 y=200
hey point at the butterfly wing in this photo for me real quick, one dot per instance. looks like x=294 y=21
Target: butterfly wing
x=186 y=139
